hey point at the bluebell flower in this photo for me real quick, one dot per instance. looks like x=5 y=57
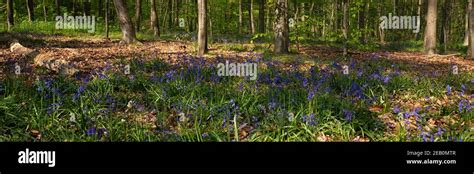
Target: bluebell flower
x=91 y=131
x=101 y=132
x=310 y=95
x=423 y=136
x=406 y=115
x=472 y=80
x=396 y=110
x=440 y=131
x=348 y=115
x=359 y=72
x=448 y=90
x=205 y=135
x=386 y=79
x=311 y=120
x=461 y=106
x=305 y=82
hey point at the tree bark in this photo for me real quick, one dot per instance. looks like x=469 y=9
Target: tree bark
x=138 y=13
x=420 y=3
x=466 y=33
x=86 y=7
x=430 y=31
x=30 y=7
x=10 y=21
x=445 y=25
x=170 y=17
x=154 y=19
x=282 y=40
x=240 y=16
x=345 y=24
x=128 y=32
x=107 y=16
x=251 y=23
x=44 y=11
x=471 y=29
x=58 y=7
x=202 y=29
x=261 y=16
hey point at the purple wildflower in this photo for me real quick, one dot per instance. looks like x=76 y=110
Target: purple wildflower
x=348 y=115
x=448 y=90
x=396 y=110
x=91 y=131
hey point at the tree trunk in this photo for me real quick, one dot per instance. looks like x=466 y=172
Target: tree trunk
x=170 y=17
x=420 y=3
x=128 y=32
x=251 y=24
x=58 y=7
x=202 y=29
x=471 y=29
x=466 y=33
x=282 y=40
x=99 y=8
x=430 y=31
x=86 y=6
x=10 y=21
x=261 y=17
x=107 y=15
x=44 y=11
x=154 y=19
x=30 y=7
x=138 y=14
x=445 y=25
x=240 y=16
x=345 y=24
x=361 y=20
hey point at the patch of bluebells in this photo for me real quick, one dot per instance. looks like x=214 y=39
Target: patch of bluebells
x=464 y=105
x=448 y=90
x=348 y=115
x=309 y=120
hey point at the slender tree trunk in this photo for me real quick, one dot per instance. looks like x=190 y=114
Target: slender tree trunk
x=261 y=16
x=58 y=7
x=128 y=32
x=86 y=7
x=471 y=29
x=282 y=40
x=251 y=23
x=445 y=25
x=361 y=19
x=107 y=15
x=44 y=11
x=345 y=24
x=466 y=33
x=99 y=8
x=10 y=21
x=430 y=31
x=296 y=25
x=202 y=29
x=154 y=19
x=240 y=16
x=74 y=8
x=420 y=3
x=176 y=21
x=170 y=15
x=30 y=7
x=138 y=14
